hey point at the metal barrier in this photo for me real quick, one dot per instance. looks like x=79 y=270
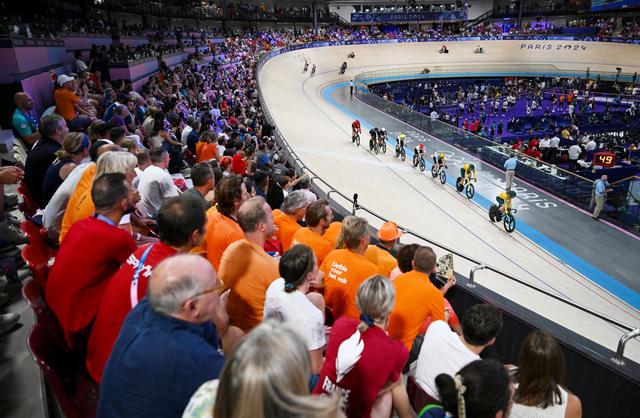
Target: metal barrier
x=318 y=181
x=572 y=187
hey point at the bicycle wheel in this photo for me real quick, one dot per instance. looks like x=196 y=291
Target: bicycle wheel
x=384 y=147
x=443 y=177
x=403 y=154
x=470 y=191
x=422 y=165
x=509 y=223
x=357 y=140
x=371 y=145
x=434 y=171
x=493 y=213
x=376 y=148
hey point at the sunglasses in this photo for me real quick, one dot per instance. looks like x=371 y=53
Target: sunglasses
x=218 y=288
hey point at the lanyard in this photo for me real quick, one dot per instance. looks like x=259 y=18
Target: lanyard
x=133 y=291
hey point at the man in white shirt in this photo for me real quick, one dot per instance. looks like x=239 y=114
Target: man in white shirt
x=444 y=351
x=591 y=145
x=156 y=184
x=186 y=131
x=574 y=154
x=553 y=148
x=543 y=146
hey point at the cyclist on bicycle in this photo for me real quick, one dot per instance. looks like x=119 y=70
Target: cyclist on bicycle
x=400 y=142
x=418 y=152
x=355 y=128
x=504 y=200
x=373 y=133
x=468 y=171
x=382 y=135
x=439 y=160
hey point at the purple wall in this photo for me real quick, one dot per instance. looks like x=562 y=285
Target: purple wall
x=20 y=60
x=41 y=89
x=131 y=41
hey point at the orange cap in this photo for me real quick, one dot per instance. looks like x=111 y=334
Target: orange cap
x=389 y=232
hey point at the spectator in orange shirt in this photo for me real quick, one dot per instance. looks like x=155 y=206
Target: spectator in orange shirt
x=246 y=269
x=286 y=220
x=207 y=148
x=417 y=299
x=346 y=268
x=380 y=254
x=222 y=221
x=332 y=233
x=68 y=105
x=318 y=217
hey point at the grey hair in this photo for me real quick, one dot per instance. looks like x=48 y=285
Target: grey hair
x=167 y=294
x=50 y=124
x=294 y=201
x=376 y=297
x=115 y=162
x=251 y=213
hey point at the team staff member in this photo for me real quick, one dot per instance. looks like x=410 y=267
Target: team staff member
x=24 y=124
x=599 y=196
x=380 y=254
x=510 y=170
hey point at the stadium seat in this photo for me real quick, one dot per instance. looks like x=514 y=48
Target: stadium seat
x=75 y=391
x=33 y=294
x=28 y=207
x=37 y=258
x=418 y=397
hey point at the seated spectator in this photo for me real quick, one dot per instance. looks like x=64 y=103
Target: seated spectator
x=93 y=251
x=332 y=233
x=539 y=380
x=81 y=205
x=249 y=279
x=9 y=231
x=418 y=299
x=318 y=218
x=288 y=299
x=444 y=351
x=286 y=220
x=203 y=183
x=262 y=158
x=238 y=164
x=346 y=267
x=168 y=345
x=206 y=149
x=222 y=220
x=23 y=123
x=43 y=153
x=181 y=228
x=75 y=148
x=193 y=137
x=271 y=364
x=380 y=254
x=362 y=362
x=277 y=192
x=156 y=184
x=481 y=389
x=405 y=260
x=70 y=106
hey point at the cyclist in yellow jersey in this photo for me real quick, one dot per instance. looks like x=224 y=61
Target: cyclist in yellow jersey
x=439 y=160
x=400 y=141
x=468 y=171
x=504 y=200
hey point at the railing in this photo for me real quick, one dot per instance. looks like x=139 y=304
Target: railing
x=486 y=15
x=326 y=188
x=572 y=187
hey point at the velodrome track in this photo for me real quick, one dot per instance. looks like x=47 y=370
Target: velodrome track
x=319 y=132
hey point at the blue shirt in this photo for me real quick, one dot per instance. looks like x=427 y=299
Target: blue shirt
x=511 y=163
x=156 y=364
x=601 y=186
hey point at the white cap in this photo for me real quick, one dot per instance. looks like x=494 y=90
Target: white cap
x=64 y=79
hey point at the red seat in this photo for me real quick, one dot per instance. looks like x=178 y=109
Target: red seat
x=76 y=393
x=28 y=206
x=417 y=396
x=33 y=294
x=37 y=259
x=37 y=236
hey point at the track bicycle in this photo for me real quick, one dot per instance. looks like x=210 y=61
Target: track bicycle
x=418 y=161
x=508 y=220
x=438 y=171
x=355 y=137
x=465 y=185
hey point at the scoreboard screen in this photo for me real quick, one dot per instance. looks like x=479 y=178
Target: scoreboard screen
x=604 y=159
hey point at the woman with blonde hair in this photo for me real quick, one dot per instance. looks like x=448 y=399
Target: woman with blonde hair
x=267 y=376
x=362 y=362
x=75 y=148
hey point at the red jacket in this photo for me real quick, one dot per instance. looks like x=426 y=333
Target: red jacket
x=238 y=165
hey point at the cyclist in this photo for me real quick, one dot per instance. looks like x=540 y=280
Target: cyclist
x=355 y=129
x=373 y=133
x=400 y=142
x=382 y=135
x=418 y=152
x=468 y=171
x=439 y=160
x=504 y=199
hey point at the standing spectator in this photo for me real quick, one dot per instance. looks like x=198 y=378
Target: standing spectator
x=600 y=191
x=181 y=228
x=346 y=267
x=362 y=362
x=246 y=268
x=380 y=254
x=574 y=154
x=286 y=220
x=238 y=164
x=277 y=192
x=318 y=218
x=418 y=299
x=193 y=137
x=444 y=351
x=168 y=342
x=539 y=381
x=510 y=170
x=93 y=250
x=544 y=145
x=156 y=184
x=53 y=130
x=288 y=298
x=553 y=149
x=75 y=148
x=203 y=183
x=69 y=106
x=81 y=66
x=23 y=123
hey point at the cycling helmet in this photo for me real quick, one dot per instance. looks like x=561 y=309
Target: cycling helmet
x=511 y=193
x=441 y=155
x=472 y=167
x=402 y=136
x=384 y=129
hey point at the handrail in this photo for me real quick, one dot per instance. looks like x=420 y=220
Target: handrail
x=479 y=265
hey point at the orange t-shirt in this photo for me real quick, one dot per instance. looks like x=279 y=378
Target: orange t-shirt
x=202 y=248
x=344 y=271
x=77 y=206
x=207 y=152
x=221 y=232
x=381 y=258
x=248 y=271
x=199 y=146
x=286 y=226
x=331 y=234
x=320 y=246
x=417 y=299
x=65 y=103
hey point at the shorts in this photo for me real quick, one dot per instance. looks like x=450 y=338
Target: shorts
x=462 y=173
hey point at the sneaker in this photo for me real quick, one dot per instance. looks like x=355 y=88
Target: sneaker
x=12 y=219
x=10 y=233
x=8 y=321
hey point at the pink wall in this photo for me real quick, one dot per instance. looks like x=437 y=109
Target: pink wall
x=40 y=88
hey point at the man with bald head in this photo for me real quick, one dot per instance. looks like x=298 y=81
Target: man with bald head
x=23 y=122
x=168 y=345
